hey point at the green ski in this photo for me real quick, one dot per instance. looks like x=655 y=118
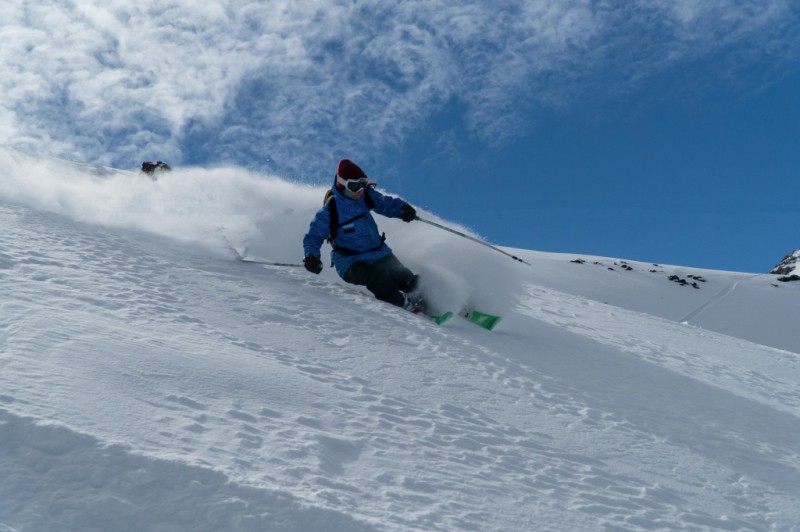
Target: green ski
x=481 y=319
x=442 y=318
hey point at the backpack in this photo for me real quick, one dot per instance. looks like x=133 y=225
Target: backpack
x=330 y=202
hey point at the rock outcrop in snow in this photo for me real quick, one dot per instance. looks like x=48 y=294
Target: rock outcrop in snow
x=789 y=267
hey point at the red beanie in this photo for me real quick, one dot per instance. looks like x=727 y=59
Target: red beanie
x=349 y=170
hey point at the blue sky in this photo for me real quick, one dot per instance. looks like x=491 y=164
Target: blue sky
x=710 y=181
x=653 y=130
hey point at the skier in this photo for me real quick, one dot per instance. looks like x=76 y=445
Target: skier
x=150 y=169
x=360 y=254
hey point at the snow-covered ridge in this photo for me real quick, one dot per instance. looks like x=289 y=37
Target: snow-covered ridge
x=149 y=381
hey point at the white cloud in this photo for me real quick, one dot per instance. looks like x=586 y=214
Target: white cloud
x=8 y=130
x=299 y=83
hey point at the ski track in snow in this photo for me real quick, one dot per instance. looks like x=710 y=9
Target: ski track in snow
x=157 y=387
x=726 y=291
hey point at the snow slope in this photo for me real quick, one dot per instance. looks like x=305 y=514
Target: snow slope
x=149 y=381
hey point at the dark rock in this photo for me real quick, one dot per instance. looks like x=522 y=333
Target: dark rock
x=788 y=267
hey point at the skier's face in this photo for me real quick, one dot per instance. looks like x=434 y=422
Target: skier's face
x=357 y=185
x=354 y=195
x=354 y=188
x=353 y=185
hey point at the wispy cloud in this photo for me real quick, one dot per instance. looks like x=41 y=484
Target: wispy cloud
x=294 y=84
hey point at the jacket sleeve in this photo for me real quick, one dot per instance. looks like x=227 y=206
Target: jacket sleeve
x=317 y=232
x=386 y=205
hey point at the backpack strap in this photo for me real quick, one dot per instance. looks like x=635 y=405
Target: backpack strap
x=333 y=213
x=330 y=202
x=367 y=198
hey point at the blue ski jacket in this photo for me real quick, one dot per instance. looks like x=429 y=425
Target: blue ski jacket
x=359 y=235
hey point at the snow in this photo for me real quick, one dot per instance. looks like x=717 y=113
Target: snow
x=150 y=381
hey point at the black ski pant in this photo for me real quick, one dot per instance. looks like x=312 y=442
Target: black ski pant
x=386 y=278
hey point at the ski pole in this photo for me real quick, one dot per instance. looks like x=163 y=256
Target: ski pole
x=270 y=263
x=479 y=241
x=243 y=258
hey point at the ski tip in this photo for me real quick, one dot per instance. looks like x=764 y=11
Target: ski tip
x=481 y=319
x=490 y=325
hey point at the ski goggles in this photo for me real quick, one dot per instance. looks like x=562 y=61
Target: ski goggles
x=353 y=185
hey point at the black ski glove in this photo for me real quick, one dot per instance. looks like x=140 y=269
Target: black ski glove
x=408 y=213
x=312 y=263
